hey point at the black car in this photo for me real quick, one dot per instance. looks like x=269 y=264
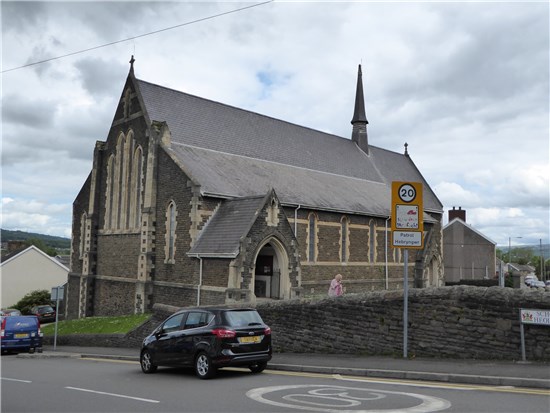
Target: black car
x=207 y=339
x=45 y=313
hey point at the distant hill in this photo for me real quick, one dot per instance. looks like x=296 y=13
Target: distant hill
x=535 y=249
x=59 y=243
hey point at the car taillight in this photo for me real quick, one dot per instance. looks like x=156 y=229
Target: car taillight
x=39 y=332
x=3 y=327
x=267 y=331
x=223 y=333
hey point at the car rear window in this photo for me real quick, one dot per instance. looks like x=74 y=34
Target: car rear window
x=243 y=318
x=21 y=322
x=44 y=310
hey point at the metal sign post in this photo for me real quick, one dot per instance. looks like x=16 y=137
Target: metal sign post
x=405 y=303
x=407 y=225
x=534 y=317
x=56 y=294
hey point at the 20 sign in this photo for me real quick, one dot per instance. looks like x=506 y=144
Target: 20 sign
x=407 y=212
x=407 y=193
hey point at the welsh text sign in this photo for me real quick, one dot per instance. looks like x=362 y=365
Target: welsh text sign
x=541 y=317
x=407 y=223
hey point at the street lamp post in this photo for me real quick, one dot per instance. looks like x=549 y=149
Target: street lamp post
x=502 y=281
x=510 y=248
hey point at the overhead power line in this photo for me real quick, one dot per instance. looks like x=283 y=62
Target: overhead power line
x=137 y=37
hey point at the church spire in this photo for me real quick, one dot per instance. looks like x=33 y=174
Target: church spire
x=359 y=120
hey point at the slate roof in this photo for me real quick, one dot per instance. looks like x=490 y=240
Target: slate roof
x=222 y=234
x=232 y=152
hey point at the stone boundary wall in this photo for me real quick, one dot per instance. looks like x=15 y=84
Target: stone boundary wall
x=449 y=322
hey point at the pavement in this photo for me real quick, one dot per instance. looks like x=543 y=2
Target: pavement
x=479 y=372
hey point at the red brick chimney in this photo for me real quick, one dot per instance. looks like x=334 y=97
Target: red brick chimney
x=457 y=213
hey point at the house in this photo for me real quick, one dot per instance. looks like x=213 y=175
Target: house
x=521 y=269
x=467 y=253
x=192 y=201
x=28 y=269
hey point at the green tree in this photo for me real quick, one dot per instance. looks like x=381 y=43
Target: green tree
x=535 y=262
x=36 y=297
x=41 y=245
x=521 y=255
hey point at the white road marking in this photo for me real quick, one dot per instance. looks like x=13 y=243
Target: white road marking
x=332 y=399
x=114 y=395
x=21 y=381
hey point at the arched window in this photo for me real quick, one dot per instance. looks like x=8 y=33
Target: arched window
x=125 y=187
x=135 y=186
x=344 y=237
x=372 y=241
x=118 y=185
x=109 y=199
x=124 y=180
x=171 y=222
x=82 y=245
x=312 y=238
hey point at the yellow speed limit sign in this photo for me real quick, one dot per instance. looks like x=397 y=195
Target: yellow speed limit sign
x=407 y=213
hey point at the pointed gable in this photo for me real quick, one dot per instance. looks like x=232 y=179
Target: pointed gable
x=458 y=223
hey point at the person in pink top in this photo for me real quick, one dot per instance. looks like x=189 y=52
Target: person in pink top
x=335 y=289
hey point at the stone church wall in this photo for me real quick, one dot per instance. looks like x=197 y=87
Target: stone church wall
x=364 y=270
x=175 y=295
x=174 y=187
x=73 y=296
x=112 y=298
x=215 y=272
x=80 y=206
x=118 y=255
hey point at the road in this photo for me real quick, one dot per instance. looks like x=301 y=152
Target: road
x=88 y=385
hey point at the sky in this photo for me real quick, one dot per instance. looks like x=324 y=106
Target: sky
x=464 y=84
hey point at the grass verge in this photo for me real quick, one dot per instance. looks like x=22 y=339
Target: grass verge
x=96 y=325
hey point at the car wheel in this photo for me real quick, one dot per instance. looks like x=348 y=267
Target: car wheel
x=203 y=366
x=258 y=367
x=31 y=350
x=146 y=362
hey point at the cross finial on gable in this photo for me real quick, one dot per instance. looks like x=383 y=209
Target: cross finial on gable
x=132 y=60
x=406 y=146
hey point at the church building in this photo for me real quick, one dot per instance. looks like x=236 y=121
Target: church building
x=194 y=202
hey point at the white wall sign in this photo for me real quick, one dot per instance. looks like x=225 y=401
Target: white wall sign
x=541 y=317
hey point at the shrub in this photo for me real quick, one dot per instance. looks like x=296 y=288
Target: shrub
x=37 y=297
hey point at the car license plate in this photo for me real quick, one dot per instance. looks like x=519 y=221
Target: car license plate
x=252 y=339
x=21 y=335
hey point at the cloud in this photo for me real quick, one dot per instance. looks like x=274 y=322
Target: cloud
x=33 y=113
x=451 y=193
x=95 y=71
x=35 y=216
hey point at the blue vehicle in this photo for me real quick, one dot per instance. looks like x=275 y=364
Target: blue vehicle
x=20 y=334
